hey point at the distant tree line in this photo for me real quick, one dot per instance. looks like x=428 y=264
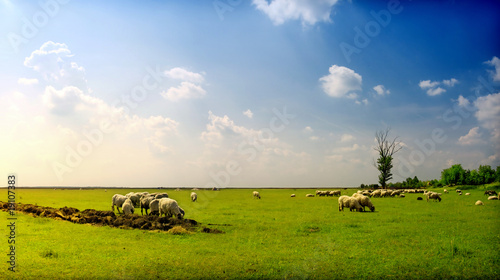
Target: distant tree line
x=455 y=175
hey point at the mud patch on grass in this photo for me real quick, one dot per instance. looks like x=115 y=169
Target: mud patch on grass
x=109 y=218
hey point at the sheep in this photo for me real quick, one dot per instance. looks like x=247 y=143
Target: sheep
x=433 y=195
x=479 y=202
x=292 y=195
x=194 y=196
x=309 y=195
x=154 y=207
x=118 y=200
x=467 y=194
x=169 y=208
x=492 y=198
x=490 y=192
x=376 y=193
x=364 y=201
x=402 y=195
x=351 y=202
x=145 y=201
x=445 y=191
x=161 y=195
x=135 y=198
x=336 y=193
x=420 y=198
x=128 y=207
x=256 y=195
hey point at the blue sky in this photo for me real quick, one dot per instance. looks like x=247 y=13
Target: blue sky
x=245 y=93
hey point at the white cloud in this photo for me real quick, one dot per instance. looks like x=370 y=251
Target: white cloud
x=381 y=90
x=308 y=129
x=62 y=102
x=52 y=61
x=248 y=113
x=27 y=82
x=186 y=90
x=427 y=84
x=472 y=138
x=435 y=91
x=184 y=75
x=363 y=101
x=450 y=82
x=463 y=102
x=495 y=62
x=341 y=82
x=347 y=138
x=488 y=115
x=309 y=12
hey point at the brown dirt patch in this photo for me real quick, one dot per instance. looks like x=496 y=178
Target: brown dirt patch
x=109 y=218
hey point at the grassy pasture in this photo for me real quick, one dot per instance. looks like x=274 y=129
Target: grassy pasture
x=277 y=237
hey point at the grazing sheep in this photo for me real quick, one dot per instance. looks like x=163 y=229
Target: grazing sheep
x=458 y=190
x=351 y=202
x=256 y=195
x=161 y=195
x=154 y=207
x=402 y=195
x=169 y=208
x=292 y=195
x=194 y=196
x=492 y=198
x=467 y=194
x=135 y=198
x=490 y=192
x=118 y=200
x=145 y=201
x=420 y=198
x=364 y=201
x=479 y=202
x=376 y=193
x=309 y=195
x=336 y=193
x=445 y=191
x=128 y=207
x=433 y=195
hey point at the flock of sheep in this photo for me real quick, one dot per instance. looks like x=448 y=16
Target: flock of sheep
x=157 y=204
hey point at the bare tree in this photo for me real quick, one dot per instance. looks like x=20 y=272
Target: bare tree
x=386 y=149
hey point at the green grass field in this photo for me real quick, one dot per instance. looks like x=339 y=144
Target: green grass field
x=277 y=237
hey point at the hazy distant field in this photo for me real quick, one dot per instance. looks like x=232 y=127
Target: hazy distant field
x=276 y=237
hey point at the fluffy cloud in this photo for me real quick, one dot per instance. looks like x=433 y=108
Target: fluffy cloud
x=248 y=114
x=186 y=90
x=347 y=138
x=308 y=129
x=27 y=82
x=463 y=102
x=495 y=62
x=381 y=90
x=341 y=82
x=184 y=75
x=488 y=115
x=52 y=61
x=433 y=88
x=309 y=12
x=472 y=138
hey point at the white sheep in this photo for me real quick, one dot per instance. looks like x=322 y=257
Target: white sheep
x=479 y=202
x=309 y=195
x=364 y=201
x=377 y=193
x=256 y=195
x=170 y=208
x=154 y=207
x=128 y=207
x=335 y=193
x=194 y=196
x=350 y=202
x=292 y=195
x=433 y=195
x=493 y=197
x=161 y=195
x=135 y=197
x=445 y=191
x=467 y=194
x=118 y=200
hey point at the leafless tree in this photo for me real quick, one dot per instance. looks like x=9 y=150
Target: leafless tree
x=386 y=149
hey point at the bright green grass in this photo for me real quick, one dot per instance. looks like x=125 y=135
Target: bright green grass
x=277 y=237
